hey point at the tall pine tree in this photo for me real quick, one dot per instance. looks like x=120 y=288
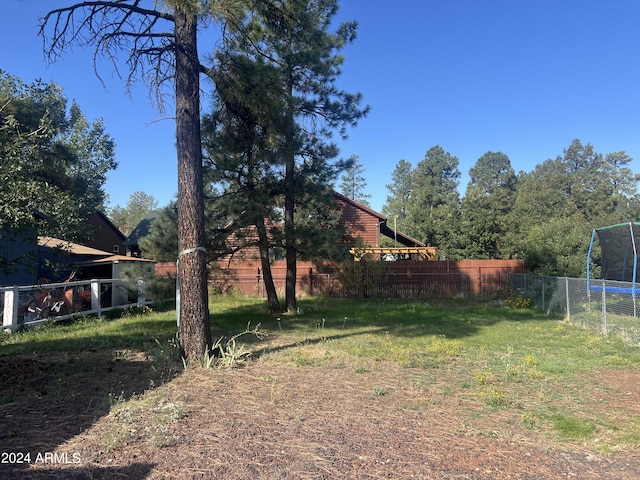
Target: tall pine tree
x=295 y=36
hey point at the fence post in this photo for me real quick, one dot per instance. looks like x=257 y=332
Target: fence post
x=10 y=313
x=142 y=300
x=96 y=301
x=566 y=286
x=605 y=327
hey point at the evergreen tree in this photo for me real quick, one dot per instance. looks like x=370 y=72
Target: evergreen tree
x=574 y=193
x=434 y=202
x=353 y=183
x=241 y=140
x=294 y=35
x=137 y=208
x=487 y=205
x=400 y=190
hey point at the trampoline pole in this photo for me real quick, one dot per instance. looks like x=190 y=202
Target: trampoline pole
x=635 y=267
x=593 y=236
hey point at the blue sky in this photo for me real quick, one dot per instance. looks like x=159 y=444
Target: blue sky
x=521 y=77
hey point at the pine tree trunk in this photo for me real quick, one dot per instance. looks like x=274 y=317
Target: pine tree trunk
x=290 y=250
x=195 y=330
x=267 y=277
x=289 y=204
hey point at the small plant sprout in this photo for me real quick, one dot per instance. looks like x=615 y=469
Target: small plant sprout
x=228 y=352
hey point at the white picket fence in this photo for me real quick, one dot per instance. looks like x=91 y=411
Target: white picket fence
x=31 y=305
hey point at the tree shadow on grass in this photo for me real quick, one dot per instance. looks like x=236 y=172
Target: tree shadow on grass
x=47 y=399
x=313 y=341
x=452 y=318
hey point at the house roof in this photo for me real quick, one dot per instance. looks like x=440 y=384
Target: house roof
x=402 y=238
x=361 y=206
x=141 y=230
x=71 y=247
x=113 y=259
x=86 y=255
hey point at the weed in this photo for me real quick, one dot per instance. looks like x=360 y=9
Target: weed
x=58 y=389
x=572 y=428
x=209 y=358
x=320 y=329
x=495 y=396
x=446 y=390
x=518 y=302
x=170 y=411
x=484 y=376
x=529 y=420
x=134 y=311
x=593 y=343
x=165 y=356
x=160 y=436
x=442 y=346
x=632 y=439
x=229 y=353
x=272 y=381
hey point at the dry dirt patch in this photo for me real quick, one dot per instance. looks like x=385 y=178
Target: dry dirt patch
x=280 y=421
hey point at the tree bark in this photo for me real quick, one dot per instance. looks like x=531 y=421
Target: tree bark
x=195 y=330
x=267 y=277
x=289 y=202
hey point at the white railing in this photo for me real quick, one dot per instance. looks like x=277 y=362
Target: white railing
x=31 y=305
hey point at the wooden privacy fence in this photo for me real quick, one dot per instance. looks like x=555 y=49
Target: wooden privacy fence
x=34 y=304
x=481 y=278
x=437 y=285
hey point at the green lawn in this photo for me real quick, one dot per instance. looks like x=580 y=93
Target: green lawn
x=506 y=359
x=407 y=332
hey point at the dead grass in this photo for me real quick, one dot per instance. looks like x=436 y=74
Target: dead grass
x=346 y=418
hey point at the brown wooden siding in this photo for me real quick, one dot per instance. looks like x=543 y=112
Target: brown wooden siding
x=359 y=224
x=105 y=235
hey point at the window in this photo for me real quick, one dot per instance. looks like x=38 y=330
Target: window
x=116 y=249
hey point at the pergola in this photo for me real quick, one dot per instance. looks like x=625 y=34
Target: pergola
x=414 y=253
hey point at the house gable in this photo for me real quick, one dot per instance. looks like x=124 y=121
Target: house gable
x=365 y=224
x=107 y=237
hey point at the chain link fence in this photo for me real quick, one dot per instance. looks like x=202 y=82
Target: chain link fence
x=604 y=306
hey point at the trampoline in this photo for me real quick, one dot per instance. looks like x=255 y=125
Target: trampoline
x=618 y=245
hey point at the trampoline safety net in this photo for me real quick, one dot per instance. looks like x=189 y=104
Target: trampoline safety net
x=619 y=253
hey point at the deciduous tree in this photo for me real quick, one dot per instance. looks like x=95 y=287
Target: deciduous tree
x=53 y=160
